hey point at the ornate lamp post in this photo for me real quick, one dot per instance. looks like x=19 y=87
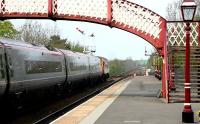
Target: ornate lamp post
x=188 y=9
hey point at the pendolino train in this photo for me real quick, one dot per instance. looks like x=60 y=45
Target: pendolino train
x=26 y=68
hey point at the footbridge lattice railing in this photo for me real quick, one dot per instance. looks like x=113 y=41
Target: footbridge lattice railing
x=122 y=14
x=176 y=56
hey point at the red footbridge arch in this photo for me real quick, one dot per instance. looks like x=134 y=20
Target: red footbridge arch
x=121 y=14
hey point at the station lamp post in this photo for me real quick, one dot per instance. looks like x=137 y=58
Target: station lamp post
x=188 y=9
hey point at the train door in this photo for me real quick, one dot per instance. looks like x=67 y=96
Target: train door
x=3 y=81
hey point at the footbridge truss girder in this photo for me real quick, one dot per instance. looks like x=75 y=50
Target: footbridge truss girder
x=121 y=14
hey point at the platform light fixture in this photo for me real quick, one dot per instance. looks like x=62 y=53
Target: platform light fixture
x=188 y=9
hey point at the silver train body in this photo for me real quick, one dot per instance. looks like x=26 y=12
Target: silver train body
x=26 y=67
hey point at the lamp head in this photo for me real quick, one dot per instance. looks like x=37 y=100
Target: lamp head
x=188 y=9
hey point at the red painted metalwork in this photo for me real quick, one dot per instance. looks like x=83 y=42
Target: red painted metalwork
x=187 y=106
x=50 y=8
x=164 y=91
x=3 y=8
x=165 y=65
x=109 y=14
x=163 y=32
x=51 y=12
x=154 y=42
x=81 y=18
x=199 y=34
x=175 y=31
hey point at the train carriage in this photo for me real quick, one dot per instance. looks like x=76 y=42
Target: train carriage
x=28 y=69
x=95 y=69
x=77 y=65
x=104 y=68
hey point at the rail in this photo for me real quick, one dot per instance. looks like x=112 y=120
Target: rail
x=49 y=118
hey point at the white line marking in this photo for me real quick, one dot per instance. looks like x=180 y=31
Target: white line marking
x=187 y=84
x=187 y=87
x=187 y=104
x=132 y=121
x=93 y=116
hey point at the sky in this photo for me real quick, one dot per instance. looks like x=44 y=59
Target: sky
x=111 y=43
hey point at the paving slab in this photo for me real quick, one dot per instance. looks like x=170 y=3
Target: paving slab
x=138 y=104
x=131 y=101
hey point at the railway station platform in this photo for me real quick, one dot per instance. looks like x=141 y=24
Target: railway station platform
x=131 y=101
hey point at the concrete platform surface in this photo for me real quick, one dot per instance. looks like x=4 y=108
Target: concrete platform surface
x=132 y=101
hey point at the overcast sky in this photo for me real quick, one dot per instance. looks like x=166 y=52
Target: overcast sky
x=110 y=42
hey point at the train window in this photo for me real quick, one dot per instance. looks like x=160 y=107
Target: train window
x=77 y=67
x=33 y=67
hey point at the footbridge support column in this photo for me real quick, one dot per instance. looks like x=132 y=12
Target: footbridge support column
x=165 y=75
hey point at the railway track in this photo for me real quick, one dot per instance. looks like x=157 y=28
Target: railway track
x=37 y=115
x=49 y=118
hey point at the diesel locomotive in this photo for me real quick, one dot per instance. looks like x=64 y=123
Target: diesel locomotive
x=26 y=68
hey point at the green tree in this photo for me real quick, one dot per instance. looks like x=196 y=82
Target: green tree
x=150 y=61
x=37 y=33
x=7 y=29
x=115 y=67
x=77 y=47
x=122 y=66
x=155 y=61
x=68 y=45
x=34 y=32
x=57 y=42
